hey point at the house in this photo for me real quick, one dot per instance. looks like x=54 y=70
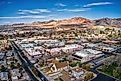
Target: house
x=3 y=62
x=15 y=74
x=9 y=53
x=2 y=55
x=4 y=76
x=65 y=76
x=58 y=66
x=77 y=72
x=25 y=76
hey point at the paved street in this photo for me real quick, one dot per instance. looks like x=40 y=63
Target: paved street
x=27 y=64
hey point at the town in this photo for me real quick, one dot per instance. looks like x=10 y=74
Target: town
x=60 y=54
x=60 y=40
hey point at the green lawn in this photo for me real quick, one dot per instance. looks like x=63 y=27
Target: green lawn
x=111 y=70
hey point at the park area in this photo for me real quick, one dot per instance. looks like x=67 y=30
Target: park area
x=113 y=70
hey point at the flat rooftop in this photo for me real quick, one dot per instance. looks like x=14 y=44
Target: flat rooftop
x=87 y=52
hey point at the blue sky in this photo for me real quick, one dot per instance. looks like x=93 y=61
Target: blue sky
x=15 y=11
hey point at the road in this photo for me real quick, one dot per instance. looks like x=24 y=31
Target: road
x=27 y=64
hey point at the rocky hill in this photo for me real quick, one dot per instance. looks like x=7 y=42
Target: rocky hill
x=72 y=21
x=116 y=22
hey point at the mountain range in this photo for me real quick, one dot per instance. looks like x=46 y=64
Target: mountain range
x=65 y=22
x=111 y=22
x=76 y=21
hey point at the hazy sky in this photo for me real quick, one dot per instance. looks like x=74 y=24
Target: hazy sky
x=14 y=11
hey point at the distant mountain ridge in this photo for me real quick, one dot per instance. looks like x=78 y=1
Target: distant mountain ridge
x=75 y=21
x=115 y=22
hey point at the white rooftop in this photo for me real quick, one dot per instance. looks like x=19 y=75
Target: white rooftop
x=90 y=44
x=50 y=40
x=87 y=52
x=81 y=54
x=93 y=51
x=33 y=52
x=71 y=46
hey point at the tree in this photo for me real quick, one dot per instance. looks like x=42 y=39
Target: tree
x=102 y=32
x=87 y=67
x=88 y=76
x=80 y=64
x=83 y=66
x=35 y=71
x=104 y=68
x=115 y=73
x=3 y=68
x=18 y=65
x=41 y=64
x=15 y=60
x=12 y=65
x=73 y=64
x=107 y=29
x=109 y=35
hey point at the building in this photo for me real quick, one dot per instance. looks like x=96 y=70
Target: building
x=65 y=76
x=9 y=53
x=68 y=49
x=77 y=72
x=107 y=48
x=54 y=44
x=58 y=66
x=87 y=54
x=15 y=74
x=4 y=76
x=2 y=59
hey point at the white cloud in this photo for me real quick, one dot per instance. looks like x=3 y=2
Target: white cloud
x=74 y=10
x=97 y=4
x=24 y=17
x=33 y=11
x=60 y=4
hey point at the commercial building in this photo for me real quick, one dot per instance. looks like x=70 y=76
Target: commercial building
x=87 y=54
